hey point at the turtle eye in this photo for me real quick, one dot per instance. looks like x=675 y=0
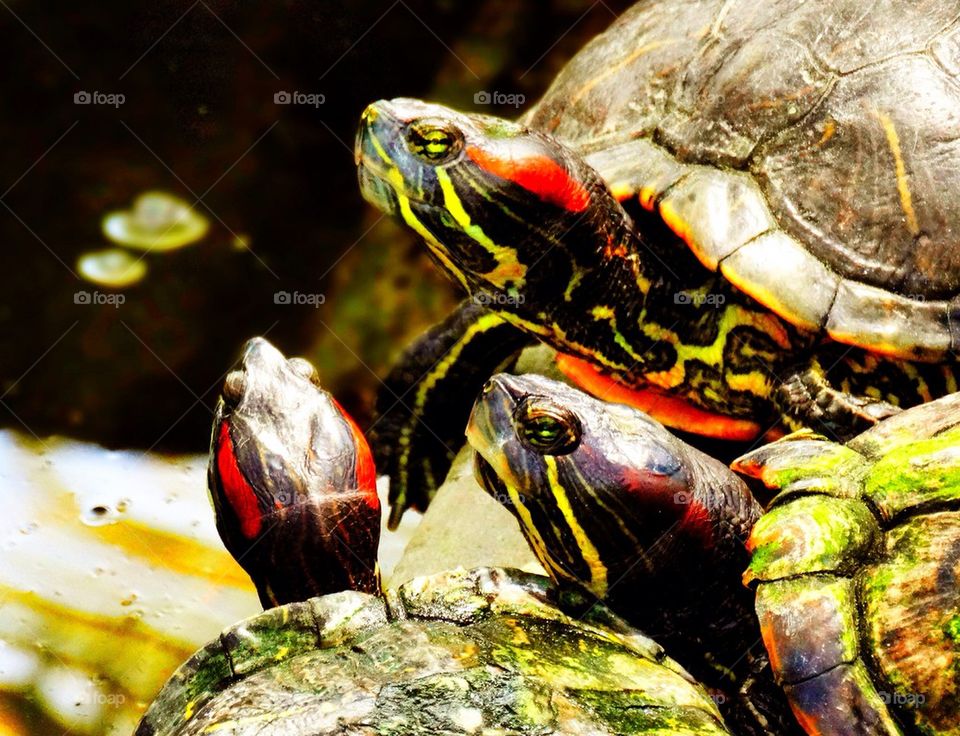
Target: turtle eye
x=546 y=427
x=305 y=369
x=234 y=386
x=434 y=141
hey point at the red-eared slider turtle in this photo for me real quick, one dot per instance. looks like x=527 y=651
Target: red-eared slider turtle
x=856 y=563
x=742 y=212
x=465 y=652
x=287 y=463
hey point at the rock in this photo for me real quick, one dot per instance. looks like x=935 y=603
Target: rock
x=465 y=527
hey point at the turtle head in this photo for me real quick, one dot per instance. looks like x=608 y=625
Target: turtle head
x=608 y=499
x=491 y=197
x=292 y=481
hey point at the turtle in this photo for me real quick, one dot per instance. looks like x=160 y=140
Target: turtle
x=488 y=650
x=286 y=462
x=735 y=216
x=850 y=577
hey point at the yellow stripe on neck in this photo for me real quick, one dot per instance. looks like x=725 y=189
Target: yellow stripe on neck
x=509 y=270
x=590 y=554
x=435 y=245
x=396 y=181
x=530 y=531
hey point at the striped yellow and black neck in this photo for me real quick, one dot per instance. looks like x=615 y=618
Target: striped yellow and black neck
x=612 y=503
x=529 y=229
x=509 y=213
x=532 y=232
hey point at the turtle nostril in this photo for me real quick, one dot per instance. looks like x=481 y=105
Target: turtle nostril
x=370 y=113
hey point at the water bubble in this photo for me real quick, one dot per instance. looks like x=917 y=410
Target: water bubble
x=113 y=268
x=158 y=221
x=99 y=515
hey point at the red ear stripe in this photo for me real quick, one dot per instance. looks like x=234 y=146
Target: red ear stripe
x=540 y=175
x=241 y=496
x=366 y=470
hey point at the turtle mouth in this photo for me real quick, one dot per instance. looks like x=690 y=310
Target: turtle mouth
x=378 y=152
x=487 y=477
x=375 y=182
x=377 y=191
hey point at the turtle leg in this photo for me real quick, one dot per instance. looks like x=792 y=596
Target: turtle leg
x=806 y=398
x=423 y=405
x=761 y=707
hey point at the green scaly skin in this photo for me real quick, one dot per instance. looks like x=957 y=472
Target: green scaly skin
x=530 y=230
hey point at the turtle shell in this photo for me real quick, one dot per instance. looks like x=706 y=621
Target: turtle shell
x=857 y=568
x=808 y=150
x=461 y=652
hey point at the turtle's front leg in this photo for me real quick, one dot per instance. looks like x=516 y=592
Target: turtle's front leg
x=806 y=398
x=424 y=403
x=761 y=707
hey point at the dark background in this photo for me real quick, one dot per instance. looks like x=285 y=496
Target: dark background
x=199 y=121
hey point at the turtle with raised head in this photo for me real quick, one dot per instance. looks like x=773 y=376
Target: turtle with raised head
x=854 y=569
x=287 y=463
x=462 y=652
x=727 y=213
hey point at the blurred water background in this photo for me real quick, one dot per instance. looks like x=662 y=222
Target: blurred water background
x=178 y=177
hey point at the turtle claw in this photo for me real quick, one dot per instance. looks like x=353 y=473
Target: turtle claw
x=807 y=399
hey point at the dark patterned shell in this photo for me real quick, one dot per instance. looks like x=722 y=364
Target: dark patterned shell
x=809 y=150
x=857 y=567
x=455 y=653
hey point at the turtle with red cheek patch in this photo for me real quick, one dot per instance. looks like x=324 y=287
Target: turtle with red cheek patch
x=613 y=504
x=292 y=481
x=732 y=216
x=460 y=652
x=854 y=566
